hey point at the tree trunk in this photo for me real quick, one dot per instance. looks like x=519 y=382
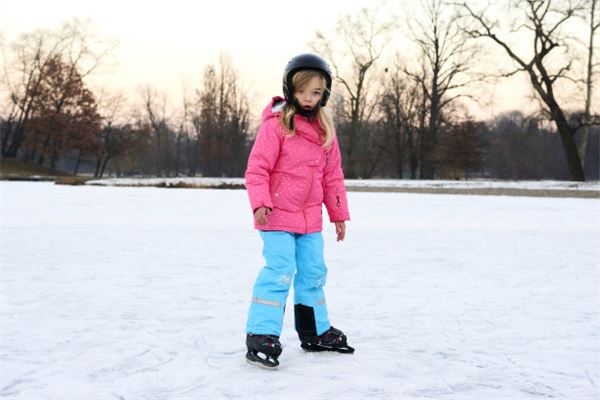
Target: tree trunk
x=399 y=135
x=585 y=131
x=77 y=163
x=158 y=154
x=31 y=157
x=97 y=168
x=567 y=135
x=4 y=135
x=103 y=167
x=190 y=158
x=400 y=167
x=432 y=128
x=19 y=134
x=177 y=154
x=15 y=145
x=350 y=164
x=41 y=159
x=412 y=157
x=371 y=169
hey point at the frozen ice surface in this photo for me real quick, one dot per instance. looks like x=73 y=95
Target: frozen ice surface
x=142 y=293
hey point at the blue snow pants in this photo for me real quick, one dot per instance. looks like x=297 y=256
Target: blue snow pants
x=290 y=255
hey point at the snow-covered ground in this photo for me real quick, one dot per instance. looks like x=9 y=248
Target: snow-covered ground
x=142 y=293
x=368 y=183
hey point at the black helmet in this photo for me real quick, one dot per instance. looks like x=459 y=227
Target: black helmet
x=304 y=62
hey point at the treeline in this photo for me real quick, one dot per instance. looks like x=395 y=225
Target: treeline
x=53 y=118
x=512 y=146
x=396 y=117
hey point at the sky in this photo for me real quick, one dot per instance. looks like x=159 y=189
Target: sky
x=167 y=44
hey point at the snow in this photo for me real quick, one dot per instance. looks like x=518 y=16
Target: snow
x=142 y=293
x=370 y=183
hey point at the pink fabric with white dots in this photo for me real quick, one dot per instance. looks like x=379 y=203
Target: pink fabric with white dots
x=295 y=175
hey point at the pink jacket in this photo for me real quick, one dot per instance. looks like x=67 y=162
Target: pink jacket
x=295 y=175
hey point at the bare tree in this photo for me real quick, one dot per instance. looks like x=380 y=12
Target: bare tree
x=184 y=132
x=445 y=58
x=205 y=122
x=155 y=109
x=221 y=120
x=363 y=38
x=584 y=134
x=32 y=54
x=192 y=124
x=400 y=106
x=544 y=19
x=115 y=138
x=74 y=43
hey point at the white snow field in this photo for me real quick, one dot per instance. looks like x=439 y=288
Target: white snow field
x=142 y=293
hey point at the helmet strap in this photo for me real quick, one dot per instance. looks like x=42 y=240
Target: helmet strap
x=306 y=113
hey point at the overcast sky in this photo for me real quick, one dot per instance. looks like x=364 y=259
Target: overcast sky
x=165 y=43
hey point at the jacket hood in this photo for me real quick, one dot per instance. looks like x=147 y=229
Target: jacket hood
x=273 y=109
x=310 y=130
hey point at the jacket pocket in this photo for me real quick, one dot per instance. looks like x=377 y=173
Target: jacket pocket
x=290 y=193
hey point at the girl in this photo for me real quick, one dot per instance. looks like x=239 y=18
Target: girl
x=294 y=167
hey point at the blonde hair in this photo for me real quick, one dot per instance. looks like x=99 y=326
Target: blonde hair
x=300 y=79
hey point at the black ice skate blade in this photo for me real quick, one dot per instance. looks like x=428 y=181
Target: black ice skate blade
x=267 y=363
x=316 y=348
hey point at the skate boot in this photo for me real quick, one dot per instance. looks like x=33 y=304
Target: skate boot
x=263 y=350
x=331 y=340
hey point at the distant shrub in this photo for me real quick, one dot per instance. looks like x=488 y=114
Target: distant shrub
x=71 y=180
x=191 y=185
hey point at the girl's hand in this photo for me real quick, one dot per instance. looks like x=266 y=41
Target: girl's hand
x=261 y=214
x=340 y=229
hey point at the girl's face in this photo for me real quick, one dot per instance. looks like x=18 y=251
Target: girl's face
x=310 y=94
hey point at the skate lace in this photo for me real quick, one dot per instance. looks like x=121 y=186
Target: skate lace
x=332 y=336
x=272 y=341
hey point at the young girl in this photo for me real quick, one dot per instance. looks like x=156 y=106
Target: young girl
x=294 y=167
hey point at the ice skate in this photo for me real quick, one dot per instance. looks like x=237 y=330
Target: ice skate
x=332 y=340
x=263 y=350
